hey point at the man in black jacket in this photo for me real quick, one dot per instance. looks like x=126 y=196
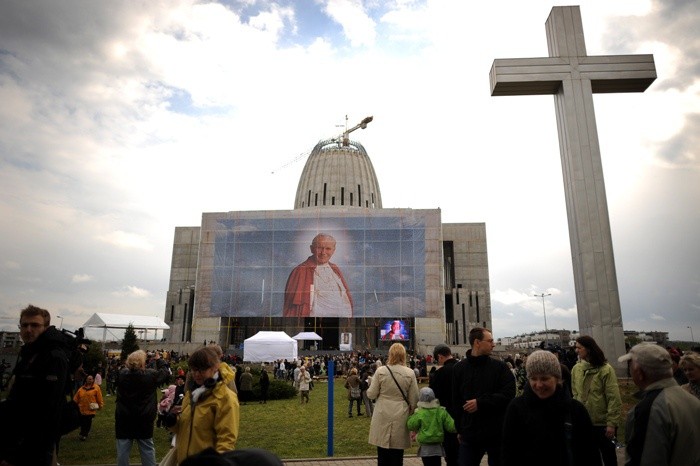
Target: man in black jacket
x=441 y=384
x=482 y=387
x=31 y=414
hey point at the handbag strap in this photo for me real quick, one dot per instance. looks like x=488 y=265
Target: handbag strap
x=399 y=386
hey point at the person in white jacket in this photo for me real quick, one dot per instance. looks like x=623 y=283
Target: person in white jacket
x=303 y=380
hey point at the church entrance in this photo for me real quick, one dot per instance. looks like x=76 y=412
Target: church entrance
x=327 y=328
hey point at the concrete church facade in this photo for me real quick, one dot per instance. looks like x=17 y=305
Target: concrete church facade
x=227 y=275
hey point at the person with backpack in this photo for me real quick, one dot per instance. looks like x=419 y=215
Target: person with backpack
x=37 y=393
x=136 y=407
x=430 y=422
x=354 y=392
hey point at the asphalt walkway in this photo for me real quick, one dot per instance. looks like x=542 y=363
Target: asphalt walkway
x=372 y=461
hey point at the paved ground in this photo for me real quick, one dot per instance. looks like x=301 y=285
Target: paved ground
x=354 y=461
x=372 y=461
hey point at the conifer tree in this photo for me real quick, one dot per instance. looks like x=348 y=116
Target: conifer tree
x=129 y=344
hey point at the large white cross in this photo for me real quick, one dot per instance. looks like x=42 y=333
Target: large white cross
x=573 y=77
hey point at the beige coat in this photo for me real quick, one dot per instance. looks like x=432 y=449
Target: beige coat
x=388 y=428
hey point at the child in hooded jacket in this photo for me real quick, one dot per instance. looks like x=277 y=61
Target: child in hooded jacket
x=165 y=404
x=430 y=421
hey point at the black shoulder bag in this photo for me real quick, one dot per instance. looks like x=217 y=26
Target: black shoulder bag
x=410 y=409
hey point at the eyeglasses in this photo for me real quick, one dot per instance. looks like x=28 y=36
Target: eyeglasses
x=30 y=325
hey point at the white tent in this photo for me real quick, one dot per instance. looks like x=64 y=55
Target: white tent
x=122 y=321
x=269 y=346
x=307 y=336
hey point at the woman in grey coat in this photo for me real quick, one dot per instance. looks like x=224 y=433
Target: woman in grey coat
x=395 y=390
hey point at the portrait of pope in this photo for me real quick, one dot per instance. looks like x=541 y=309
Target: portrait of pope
x=316 y=287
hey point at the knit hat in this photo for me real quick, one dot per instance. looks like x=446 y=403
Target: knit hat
x=426 y=395
x=650 y=356
x=543 y=363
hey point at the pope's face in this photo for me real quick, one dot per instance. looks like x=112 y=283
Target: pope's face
x=323 y=250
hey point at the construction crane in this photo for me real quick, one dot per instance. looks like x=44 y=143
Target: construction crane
x=345 y=138
x=303 y=155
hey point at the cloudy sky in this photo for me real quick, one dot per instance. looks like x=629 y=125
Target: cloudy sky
x=121 y=120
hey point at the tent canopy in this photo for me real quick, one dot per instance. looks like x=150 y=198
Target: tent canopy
x=269 y=346
x=102 y=320
x=307 y=336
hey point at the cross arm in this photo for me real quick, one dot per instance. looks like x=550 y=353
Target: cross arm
x=528 y=76
x=538 y=76
x=618 y=73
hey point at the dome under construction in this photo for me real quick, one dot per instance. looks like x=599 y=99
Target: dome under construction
x=339 y=173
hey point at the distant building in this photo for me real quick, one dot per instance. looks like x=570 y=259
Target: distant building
x=659 y=337
x=566 y=338
x=561 y=338
x=10 y=339
x=228 y=276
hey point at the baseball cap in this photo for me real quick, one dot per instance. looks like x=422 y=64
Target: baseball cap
x=649 y=356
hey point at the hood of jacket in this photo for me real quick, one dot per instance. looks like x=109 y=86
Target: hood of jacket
x=226 y=374
x=50 y=339
x=429 y=404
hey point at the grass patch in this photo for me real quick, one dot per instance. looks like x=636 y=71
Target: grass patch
x=284 y=427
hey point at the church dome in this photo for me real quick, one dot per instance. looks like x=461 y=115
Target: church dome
x=338 y=174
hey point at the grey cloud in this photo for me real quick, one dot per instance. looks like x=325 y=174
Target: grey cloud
x=673 y=22
x=681 y=150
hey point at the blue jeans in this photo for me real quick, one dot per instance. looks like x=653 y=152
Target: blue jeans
x=146 y=449
x=354 y=400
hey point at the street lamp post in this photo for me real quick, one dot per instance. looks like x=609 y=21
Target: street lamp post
x=544 y=312
x=61 y=327
x=691 y=333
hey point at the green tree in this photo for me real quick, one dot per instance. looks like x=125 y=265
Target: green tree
x=129 y=344
x=632 y=340
x=94 y=356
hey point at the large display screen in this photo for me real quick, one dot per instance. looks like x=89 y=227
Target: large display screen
x=394 y=330
x=319 y=263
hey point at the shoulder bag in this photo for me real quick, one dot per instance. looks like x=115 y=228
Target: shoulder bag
x=410 y=408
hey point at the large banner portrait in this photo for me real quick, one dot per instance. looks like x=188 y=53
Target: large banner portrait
x=348 y=263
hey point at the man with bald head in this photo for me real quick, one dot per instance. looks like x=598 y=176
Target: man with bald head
x=316 y=287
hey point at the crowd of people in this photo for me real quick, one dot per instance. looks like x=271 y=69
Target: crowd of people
x=543 y=408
